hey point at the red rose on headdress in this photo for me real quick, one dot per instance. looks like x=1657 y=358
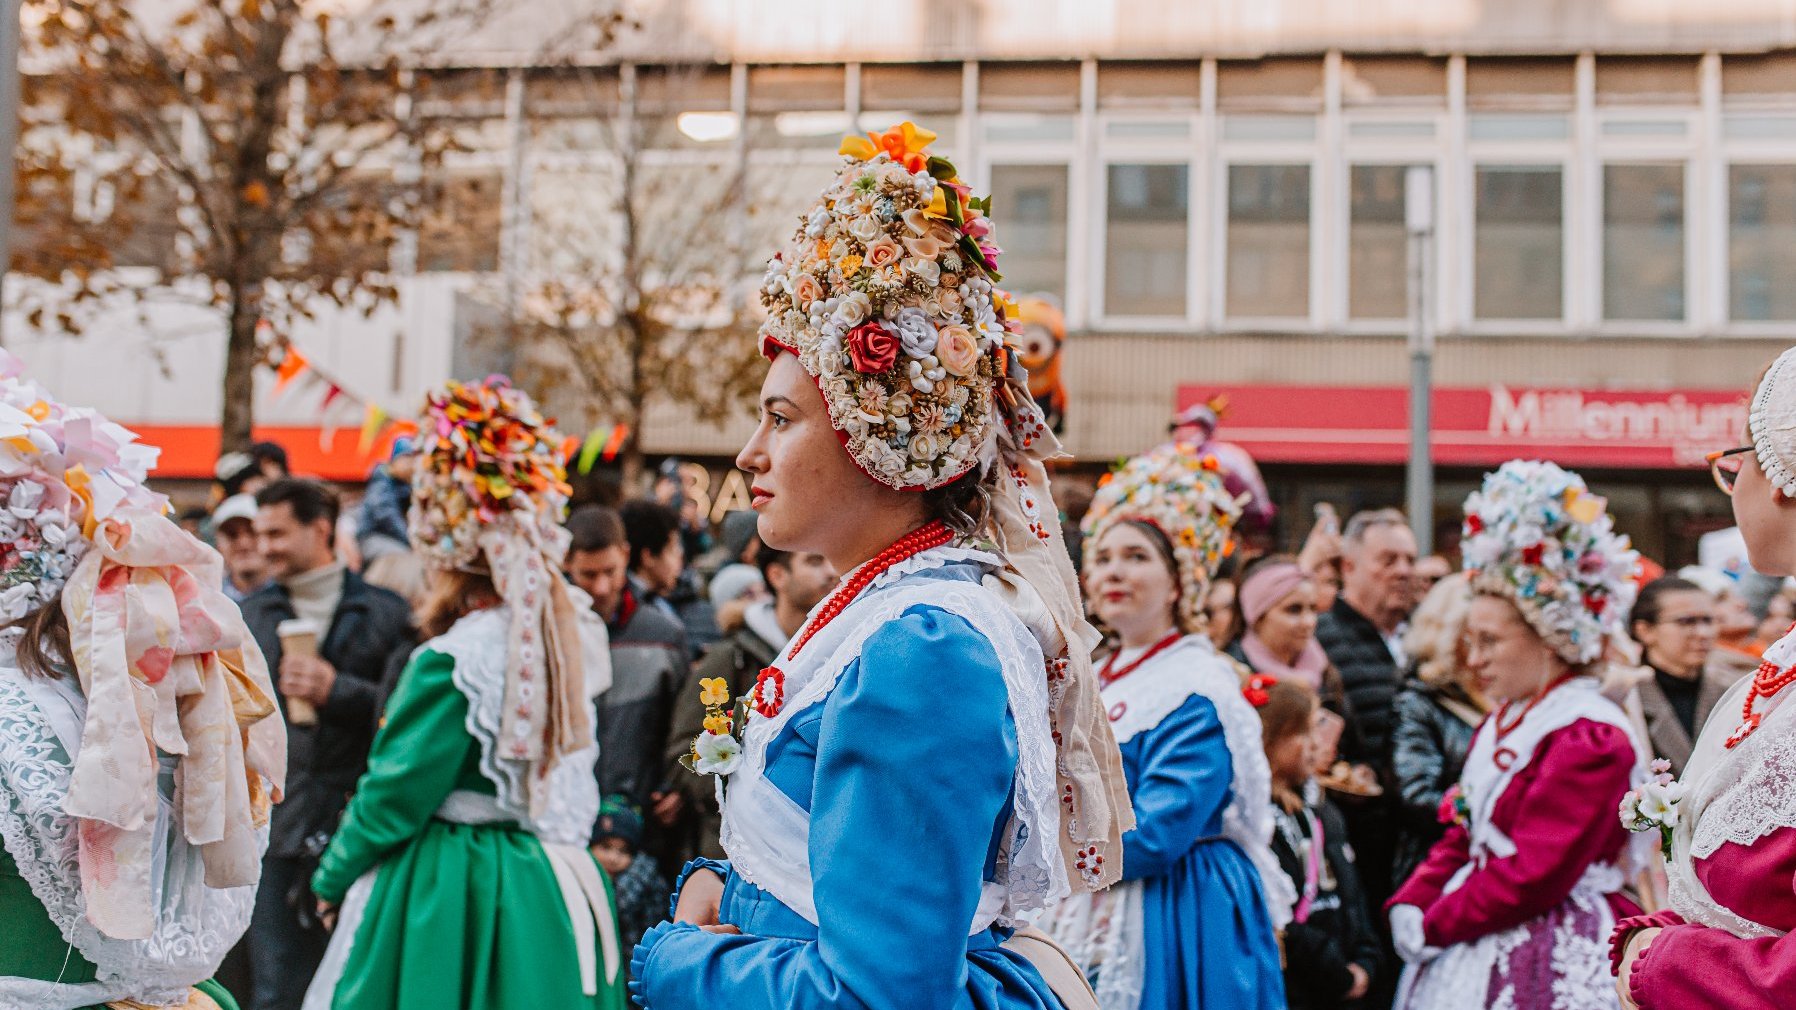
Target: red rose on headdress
x=1474 y=524
x=872 y=348
x=1532 y=554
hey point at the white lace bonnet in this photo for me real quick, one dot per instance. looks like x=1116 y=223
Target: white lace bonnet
x=1772 y=422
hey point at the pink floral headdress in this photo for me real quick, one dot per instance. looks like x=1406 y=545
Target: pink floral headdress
x=164 y=660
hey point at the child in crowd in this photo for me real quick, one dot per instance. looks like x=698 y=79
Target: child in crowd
x=635 y=876
x=1331 y=946
x=381 y=524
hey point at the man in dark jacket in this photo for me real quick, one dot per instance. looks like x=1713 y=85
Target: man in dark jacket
x=798 y=583
x=365 y=630
x=1362 y=635
x=649 y=664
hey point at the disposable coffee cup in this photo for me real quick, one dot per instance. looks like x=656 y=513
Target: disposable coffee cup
x=299 y=637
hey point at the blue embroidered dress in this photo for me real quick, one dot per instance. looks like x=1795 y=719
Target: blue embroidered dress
x=1192 y=924
x=913 y=777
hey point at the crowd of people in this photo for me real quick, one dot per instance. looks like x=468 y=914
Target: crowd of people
x=902 y=734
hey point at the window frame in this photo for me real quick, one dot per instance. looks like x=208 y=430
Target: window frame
x=1312 y=153
x=1170 y=150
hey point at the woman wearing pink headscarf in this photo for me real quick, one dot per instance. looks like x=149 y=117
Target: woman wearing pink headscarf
x=1277 y=604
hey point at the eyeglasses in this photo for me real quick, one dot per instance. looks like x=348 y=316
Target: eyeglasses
x=1690 y=622
x=1725 y=465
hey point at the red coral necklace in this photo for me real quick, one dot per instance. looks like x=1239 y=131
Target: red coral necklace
x=923 y=538
x=769 y=694
x=1110 y=675
x=1769 y=680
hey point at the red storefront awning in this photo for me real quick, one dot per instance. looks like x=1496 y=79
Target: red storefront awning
x=1483 y=426
x=190 y=452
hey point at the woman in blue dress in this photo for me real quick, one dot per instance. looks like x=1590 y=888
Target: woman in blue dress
x=927 y=766
x=1194 y=923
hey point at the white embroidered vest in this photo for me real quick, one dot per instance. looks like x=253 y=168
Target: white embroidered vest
x=1486 y=778
x=1143 y=699
x=767 y=835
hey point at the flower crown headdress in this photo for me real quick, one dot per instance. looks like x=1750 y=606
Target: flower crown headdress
x=885 y=295
x=63 y=471
x=1536 y=535
x=485 y=453
x=488 y=497
x=1180 y=493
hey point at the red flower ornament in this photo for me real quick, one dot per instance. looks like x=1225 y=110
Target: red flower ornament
x=872 y=348
x=770 y=692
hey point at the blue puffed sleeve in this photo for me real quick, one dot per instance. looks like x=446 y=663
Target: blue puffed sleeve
x=915 y=760
x=1180 y=779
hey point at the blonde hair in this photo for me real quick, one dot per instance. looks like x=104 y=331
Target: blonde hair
x=1435 y=630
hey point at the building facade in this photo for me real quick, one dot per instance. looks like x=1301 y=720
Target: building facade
x=1214 y=194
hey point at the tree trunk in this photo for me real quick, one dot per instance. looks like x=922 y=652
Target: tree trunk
x=237 y=421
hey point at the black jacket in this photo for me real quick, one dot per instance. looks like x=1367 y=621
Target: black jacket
x=1339 y=929
x=1370 y=674
x=371 y=631
x=1428 y=748
x=649 y=664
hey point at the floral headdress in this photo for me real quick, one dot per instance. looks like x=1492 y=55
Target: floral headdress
x=885 y=295
x=163 y=658
x=488 y=497
x=1535 y=534
x=1181 y=494
x=63 y=470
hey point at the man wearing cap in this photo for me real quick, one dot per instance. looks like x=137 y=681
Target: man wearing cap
x=249 y=472
x=234 y=533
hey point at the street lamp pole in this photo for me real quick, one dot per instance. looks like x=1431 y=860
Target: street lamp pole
x=1418 y=221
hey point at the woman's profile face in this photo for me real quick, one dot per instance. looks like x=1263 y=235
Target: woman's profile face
x=1766 y=520
x=1128 y=581
x=805 y=487
x=1504 y=655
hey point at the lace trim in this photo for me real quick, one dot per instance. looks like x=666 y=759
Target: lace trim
x=1770 y=423
x=1102 y=934
x=1030 y=871
x=935 y=557
x=477 y=645
x=1504 y=971
x=195 y=924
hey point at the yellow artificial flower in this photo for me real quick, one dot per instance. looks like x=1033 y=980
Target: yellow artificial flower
x=1585 y=508
x=851 y=264
x=938 y=204
x=718 y=724
x=714 y=691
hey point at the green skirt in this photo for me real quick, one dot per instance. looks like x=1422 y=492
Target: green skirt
x=472 y=917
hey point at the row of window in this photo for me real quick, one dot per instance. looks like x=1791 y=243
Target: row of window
x=1518 y=240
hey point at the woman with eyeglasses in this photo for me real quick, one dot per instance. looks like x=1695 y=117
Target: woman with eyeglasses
x=1725 y=941
x=1511 y=906
x=1673 y=621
